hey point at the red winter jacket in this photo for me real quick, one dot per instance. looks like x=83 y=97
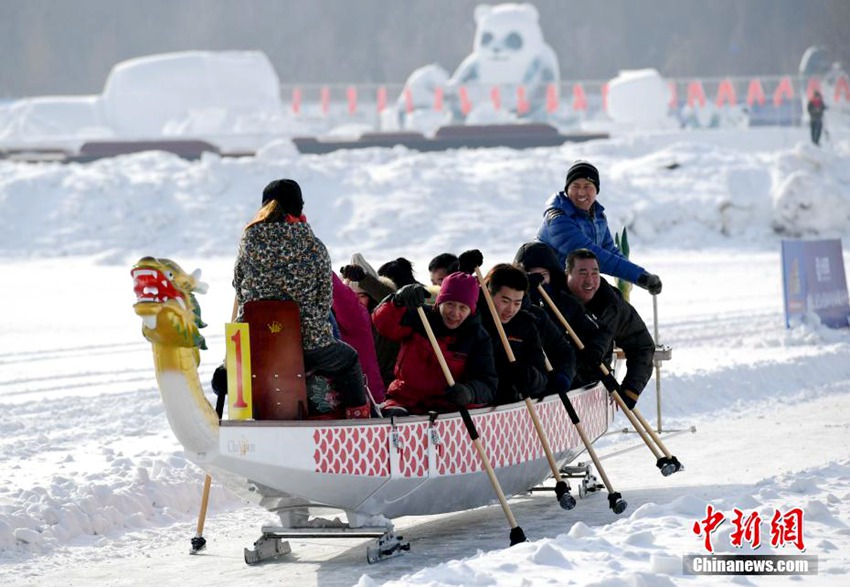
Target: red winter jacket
x=419 y=383
x=355 y=328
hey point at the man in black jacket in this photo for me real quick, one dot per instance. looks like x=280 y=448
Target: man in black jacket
x=617 y=316
x=527 y=374
x=540 y=261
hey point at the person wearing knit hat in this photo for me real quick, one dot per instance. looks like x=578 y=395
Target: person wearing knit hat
x=419 y=385
x=582 y=170
x=287 y=193
x=460 y=288
x=574 y=219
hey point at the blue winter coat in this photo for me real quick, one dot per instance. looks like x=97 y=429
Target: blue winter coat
x=566 y=228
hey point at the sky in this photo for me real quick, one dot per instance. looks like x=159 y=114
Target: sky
x=96 y=489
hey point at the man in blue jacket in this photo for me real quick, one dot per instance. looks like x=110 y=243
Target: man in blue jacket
x=575 y=220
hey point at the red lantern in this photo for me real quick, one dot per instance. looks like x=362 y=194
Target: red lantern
x=296 y=100
x=325 y=99
x=351 y=93
x=696 y=94
x=551 y=99
x=579 y=98
x=522 y=105
x=842 y=88
x=726 y=93
x=755 y=93
x=783 y=90
x=382 y=98
x=496 y=97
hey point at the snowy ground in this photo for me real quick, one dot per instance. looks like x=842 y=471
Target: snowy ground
x=96 y=490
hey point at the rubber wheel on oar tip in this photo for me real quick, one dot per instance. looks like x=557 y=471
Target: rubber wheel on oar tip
x=517 y=536
x=669 y=465
x=199 y=543
x=562 y=493
x=617 y=503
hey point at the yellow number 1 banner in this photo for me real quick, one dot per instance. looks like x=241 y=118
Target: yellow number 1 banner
x=238 y=361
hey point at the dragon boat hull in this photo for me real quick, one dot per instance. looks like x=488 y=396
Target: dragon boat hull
x=378 y=467
x=406 y=466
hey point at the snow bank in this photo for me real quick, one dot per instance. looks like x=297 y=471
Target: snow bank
x=673 y=190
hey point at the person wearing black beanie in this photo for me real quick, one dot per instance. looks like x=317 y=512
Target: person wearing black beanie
x=280 y=258
x=582 y=170
x=573 y=219
x=287 y=193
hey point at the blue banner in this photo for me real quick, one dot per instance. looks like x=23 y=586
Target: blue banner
x=814 y=281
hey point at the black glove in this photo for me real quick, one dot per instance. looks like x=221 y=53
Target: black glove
x=412 y=295
x=352 y=272
x=219 y=380
x=534 y=280
x=650 y=282
x=469 y=260
x=519 y=376
x=590 y=356
x=460 y=394
x=558 y=381
x=626 y=396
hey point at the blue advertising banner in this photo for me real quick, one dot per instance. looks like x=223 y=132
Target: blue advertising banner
x=814 y=281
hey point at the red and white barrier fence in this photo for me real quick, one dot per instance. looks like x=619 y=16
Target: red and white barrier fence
x=697 y=93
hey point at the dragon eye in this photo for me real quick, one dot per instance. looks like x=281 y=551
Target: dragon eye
x=486 y=39
x=514 y=41
x=169 y=274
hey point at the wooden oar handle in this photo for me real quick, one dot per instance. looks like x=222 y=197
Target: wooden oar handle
x=573 y=335
x=437 y=350
x=235 y=310
x=499 y=328
x=560 y=316
x=635 y=423
x=470 y=426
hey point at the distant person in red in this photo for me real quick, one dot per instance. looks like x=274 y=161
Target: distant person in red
x=816 y=109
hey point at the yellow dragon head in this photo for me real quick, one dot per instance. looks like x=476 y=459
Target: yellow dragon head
x=166 y=302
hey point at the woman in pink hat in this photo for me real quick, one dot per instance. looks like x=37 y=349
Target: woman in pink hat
x=419 y=385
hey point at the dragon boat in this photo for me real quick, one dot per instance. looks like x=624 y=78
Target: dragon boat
x=374 y=470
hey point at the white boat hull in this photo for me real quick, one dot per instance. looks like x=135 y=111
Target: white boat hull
x=409 y=466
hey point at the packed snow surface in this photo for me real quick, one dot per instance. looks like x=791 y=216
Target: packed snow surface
x=96 y=489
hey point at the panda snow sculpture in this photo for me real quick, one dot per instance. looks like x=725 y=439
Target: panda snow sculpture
x=509 y=52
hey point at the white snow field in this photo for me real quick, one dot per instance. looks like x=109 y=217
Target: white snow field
x=96 y=490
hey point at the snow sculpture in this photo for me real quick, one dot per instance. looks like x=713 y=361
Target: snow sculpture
x=639 y=98
x=509 y=51
x=192 y=93
x=417 y=105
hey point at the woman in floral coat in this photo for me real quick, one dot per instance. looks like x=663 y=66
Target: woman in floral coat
x=281 y=259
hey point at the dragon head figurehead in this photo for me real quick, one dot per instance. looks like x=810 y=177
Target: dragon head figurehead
x=166 y=302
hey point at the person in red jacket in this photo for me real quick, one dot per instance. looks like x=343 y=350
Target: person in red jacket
x=420 y=385
x=816 y=108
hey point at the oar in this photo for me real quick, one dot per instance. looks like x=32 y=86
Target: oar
x=615 y=499
x=667 y=463
x=199 y=543
x=562 y=490
x=517 y=535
